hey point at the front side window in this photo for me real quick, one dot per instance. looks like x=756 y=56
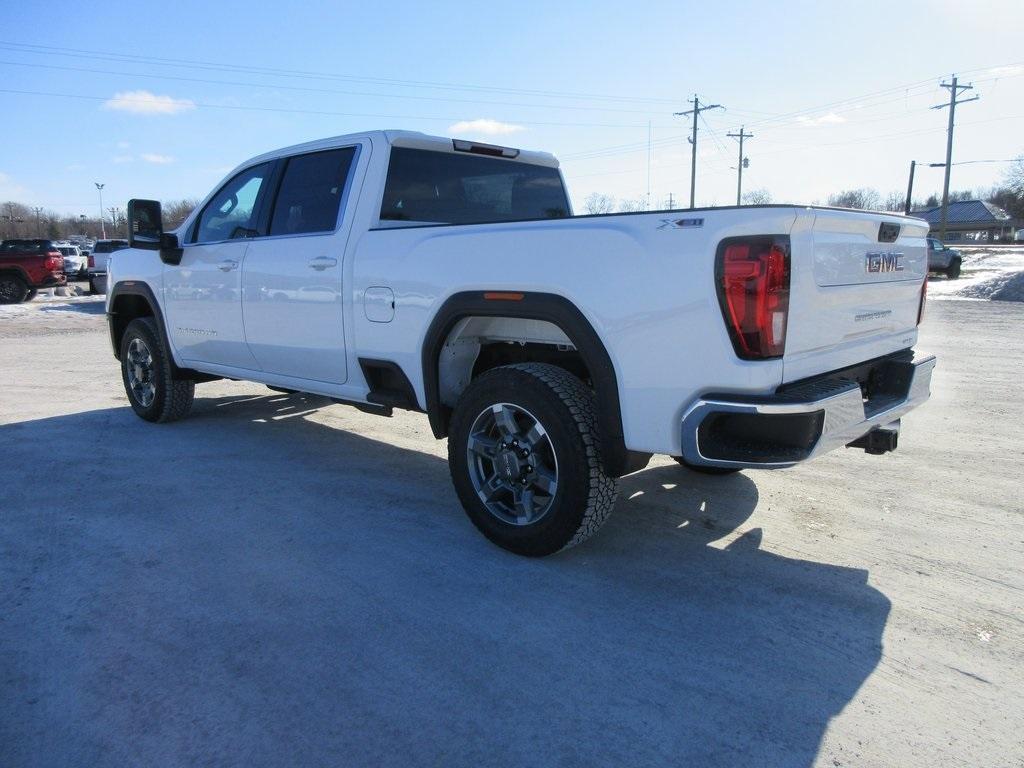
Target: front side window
x=310 y=194
x=430 y=187
x=233 y=211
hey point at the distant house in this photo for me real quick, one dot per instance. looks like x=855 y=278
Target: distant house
x=969 y=220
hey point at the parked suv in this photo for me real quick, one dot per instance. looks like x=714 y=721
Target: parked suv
x=943 y=259
x=556 y=353
x=26 y=266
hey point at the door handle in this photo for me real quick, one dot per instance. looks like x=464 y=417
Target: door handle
x=227 y=265
x=323 y=262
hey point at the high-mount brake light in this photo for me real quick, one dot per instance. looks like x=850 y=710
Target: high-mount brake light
x=492 y=150
x=752 y=275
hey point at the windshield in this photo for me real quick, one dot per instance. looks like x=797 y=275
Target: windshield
x=446 y=188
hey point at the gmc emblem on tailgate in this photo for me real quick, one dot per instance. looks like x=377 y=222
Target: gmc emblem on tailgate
x=883 y=262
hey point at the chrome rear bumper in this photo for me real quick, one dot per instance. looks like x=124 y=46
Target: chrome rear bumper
x=803 y=421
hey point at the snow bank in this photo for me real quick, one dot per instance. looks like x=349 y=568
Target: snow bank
x=987 y=274
x=1006 y=287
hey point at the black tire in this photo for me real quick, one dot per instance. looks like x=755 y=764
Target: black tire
x=706 y=470
x=12 y=289
x=171 y=398
x=953 y=271
x=92 y=288
x=584 y=495
x=32 y=293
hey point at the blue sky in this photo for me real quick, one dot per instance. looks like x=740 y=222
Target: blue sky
x=837 y=95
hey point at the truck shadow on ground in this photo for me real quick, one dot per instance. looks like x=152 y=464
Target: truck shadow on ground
x=252 y=587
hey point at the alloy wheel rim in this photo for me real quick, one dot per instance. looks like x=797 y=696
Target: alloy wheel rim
x=8 y=289
x=139 y=366
x=512 y=464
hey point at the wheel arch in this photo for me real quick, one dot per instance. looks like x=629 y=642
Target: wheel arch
x=561 y=313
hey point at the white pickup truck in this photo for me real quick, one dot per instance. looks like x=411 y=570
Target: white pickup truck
x=556 y=352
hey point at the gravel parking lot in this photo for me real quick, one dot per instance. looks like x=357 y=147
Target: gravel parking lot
x=279 y=581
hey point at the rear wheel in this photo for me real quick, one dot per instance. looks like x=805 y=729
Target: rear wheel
x=12 y=289
x=32 y=293
x=953 y=271
x=706 y=470
x=525 y=457
x=147 y=372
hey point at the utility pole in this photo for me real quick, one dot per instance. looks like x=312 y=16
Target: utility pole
x=697 y=109
x=671 y=201
x=39 y=231
x=103 y=227
x=739 y=166
x=910 y=188
x=954 y=91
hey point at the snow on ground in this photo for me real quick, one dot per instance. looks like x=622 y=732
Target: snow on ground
x=987 y=273
x=48 y=312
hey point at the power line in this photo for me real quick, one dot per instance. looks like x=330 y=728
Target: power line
x=308 y=74
x=697 y=109
x=308 y=89
x=237 y=107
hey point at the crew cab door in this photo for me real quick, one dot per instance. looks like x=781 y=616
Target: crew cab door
x=293 y=278
x=203 y=294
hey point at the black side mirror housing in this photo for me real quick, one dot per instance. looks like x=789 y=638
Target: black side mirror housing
x=145 y=224
x=146 y=231
x=170 y=249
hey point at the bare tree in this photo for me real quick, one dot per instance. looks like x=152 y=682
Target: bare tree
x=759 y=196
x=176 y=211
x=1014 y=177
x=632 y=205
x=598 y=203
x=894 y=202
x=865 y=198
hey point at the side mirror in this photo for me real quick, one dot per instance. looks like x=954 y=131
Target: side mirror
x=145 y=224
x=170 y=250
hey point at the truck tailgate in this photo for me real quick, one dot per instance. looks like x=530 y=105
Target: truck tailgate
x=853 y=295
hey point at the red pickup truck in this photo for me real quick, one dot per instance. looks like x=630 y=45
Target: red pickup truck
x=26 y=266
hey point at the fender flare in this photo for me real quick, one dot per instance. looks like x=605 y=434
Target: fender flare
x=554 y=309
x=137 y=288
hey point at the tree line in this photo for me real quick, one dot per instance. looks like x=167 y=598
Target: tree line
x=1008 y=195
x=18 y=220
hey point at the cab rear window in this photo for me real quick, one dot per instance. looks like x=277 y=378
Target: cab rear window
x=425 y=187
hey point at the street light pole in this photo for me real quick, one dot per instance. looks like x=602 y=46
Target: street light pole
x=103 y=227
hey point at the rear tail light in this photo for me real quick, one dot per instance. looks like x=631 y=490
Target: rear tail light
x=54 y=261
x=91 y=263
x=753 y=291
x=924 y=296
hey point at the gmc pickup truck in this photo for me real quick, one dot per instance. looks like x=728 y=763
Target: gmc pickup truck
x=26 y=266
x=556 y=353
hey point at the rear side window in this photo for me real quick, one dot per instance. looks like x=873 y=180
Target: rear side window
x=444 y=188
x=309 y=197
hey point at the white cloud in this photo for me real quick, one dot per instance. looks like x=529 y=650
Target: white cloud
x=11 y=190
x=121 y=159
x=123 y=145
x=74 y=167
x=485 y=126
x=1010 y=71
x=147 y=103
x=152 y=157
x=828 y=119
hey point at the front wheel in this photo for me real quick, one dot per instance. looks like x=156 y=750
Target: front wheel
x=953 y=271
x=525 y=457
x=147 y=372
x=12 y=289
